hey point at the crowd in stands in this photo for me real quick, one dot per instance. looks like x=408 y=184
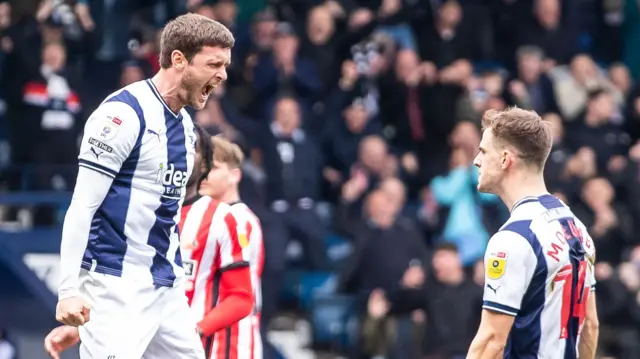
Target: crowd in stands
x=360 y=121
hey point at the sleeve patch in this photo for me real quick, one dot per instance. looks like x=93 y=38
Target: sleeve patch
x=496 y=265
x=107 y=131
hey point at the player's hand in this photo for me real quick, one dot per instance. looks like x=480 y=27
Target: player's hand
x=60 y=339
x=72 y=311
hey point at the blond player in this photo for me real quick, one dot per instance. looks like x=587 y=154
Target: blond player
x=538 y=297
x=242 y=339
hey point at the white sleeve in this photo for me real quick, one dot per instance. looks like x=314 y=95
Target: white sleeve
x=91 y=188
x=109 y=137
x=509 y=266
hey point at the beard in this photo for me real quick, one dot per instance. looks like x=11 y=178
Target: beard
x=192 y=90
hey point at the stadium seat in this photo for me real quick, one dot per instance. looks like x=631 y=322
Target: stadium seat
x=315 y=283
x=338 y=249
x=333 y=323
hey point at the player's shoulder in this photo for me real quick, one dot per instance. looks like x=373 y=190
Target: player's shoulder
x=242 y=211
x=514 y=238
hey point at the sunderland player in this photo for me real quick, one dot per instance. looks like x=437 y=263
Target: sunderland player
x=538 y=298
x=66 y=336
x=219 y=292
x=121 y=270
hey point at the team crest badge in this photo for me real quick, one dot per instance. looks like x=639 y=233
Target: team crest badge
x=496 y=265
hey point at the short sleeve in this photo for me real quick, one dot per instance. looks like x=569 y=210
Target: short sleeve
x=110 y=135
x=509 y=266
x=234 y=243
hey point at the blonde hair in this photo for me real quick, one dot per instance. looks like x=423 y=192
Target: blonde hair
x=227 y=152
x=524 y=130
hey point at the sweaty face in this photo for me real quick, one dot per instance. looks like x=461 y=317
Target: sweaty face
x=207 y=69
x=217 y=182
x=489 y=164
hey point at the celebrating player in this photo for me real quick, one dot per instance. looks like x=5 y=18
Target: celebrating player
x=121 y=270
x=538 y=299
x=65 y=336
x=220 y=267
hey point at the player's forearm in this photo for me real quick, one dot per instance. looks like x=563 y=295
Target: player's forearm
x=91 y=188
x=486 y=346
x=237 y=302
x=588 y=340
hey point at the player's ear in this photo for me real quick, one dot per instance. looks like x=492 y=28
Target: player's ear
x=506 y=159
x=178 y=60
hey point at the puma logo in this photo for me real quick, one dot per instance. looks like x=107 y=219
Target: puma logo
x=495 y=290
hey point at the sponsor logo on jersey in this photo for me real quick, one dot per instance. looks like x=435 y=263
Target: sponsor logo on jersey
x=173 y=180
x=100 y=145
x=496 y=265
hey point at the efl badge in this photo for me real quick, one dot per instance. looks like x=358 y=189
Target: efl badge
x=107 y=131
x=242 y=239
x=496 y=265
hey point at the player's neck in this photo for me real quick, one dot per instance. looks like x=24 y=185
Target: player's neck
x=168 y=85
x=231 y=196
x=519 y=188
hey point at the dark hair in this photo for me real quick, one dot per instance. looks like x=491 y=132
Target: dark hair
x=204 y=141
x=189 y=33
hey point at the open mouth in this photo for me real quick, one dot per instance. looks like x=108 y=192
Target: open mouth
x=206 y=91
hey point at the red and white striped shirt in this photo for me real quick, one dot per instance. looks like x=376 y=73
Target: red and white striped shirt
x=214 y=240
x=249 y=343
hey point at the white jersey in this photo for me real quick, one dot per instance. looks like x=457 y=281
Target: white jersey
x=149 y=152
x=539 y=268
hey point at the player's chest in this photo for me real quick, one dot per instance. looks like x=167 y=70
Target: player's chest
x=165 y=158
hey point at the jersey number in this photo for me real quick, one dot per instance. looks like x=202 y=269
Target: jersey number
x=578 y=296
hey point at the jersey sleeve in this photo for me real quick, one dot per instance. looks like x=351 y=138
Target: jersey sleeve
x=509 y=266
x=109 y=137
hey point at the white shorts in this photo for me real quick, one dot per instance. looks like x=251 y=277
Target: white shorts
x=130 y=320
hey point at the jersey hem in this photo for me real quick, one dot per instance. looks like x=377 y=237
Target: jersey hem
x=163 y=282
x=500 y=308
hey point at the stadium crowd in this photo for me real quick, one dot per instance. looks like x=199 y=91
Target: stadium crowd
x=360 y=120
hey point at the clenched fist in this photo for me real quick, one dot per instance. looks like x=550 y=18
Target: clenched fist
x=60 y=339
x=72 y=311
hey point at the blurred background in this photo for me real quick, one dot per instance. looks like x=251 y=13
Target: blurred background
x=359 y=119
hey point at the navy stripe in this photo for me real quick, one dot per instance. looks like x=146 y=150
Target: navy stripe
x=98 y=167
x=107 y=244
x=518 y=204
x=178 y=256
x=576 y=255
x=174 y=180
x=524 y=338
x=550 y=202
x=500 y=307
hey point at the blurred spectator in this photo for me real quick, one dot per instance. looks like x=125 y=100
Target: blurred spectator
x=572 y=89
x=531 y=88
x=292 y=164
x=459 y=201
x=453 y=306
x=608 y=221
x=554 y=30
x=596 y=128
x=382 y=237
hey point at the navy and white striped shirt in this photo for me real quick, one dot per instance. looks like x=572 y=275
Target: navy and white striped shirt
x=148 y=152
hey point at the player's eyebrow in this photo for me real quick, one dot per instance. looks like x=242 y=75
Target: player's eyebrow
x=481 y=149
